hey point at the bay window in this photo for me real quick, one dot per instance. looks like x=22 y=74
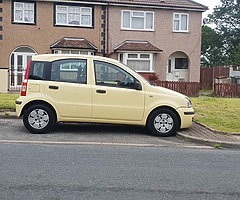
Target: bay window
x=66 y=51
x=141 y=62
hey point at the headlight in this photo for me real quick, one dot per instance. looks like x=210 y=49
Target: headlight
x=188 y=102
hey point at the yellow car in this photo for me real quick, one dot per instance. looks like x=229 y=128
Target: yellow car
x=78 y=88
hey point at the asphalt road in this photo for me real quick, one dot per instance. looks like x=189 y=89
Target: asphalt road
x=38 y=171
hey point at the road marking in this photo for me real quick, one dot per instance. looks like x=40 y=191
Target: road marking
x=96 y=143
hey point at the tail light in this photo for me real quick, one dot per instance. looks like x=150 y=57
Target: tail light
x=25 y=81
x=24 y=87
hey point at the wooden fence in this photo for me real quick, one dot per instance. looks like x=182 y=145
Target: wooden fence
x=209 y=74
x=188 y=88
x=227 y=90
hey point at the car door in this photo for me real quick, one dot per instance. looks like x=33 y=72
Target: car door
x=114 y=94
x=67 y=88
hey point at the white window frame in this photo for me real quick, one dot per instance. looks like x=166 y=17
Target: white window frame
x=132 y=16
x=82 y=52
x=179 y=20
x=77 y=11
x=23 y=8
x=124 y=58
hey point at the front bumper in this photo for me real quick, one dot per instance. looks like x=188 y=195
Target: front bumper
x=186 y=115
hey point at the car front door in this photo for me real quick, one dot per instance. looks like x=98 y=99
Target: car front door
x=114 y=94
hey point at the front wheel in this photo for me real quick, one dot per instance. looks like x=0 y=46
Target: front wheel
x=163 y=122
x=39 y=119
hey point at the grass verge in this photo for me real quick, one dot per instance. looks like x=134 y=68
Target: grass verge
x=7 y=101
x=220 y=114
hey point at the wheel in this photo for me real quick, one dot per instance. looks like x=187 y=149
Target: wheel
x=39 y=119
x=163 y=122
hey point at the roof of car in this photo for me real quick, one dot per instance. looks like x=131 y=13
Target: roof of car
x=54 y=57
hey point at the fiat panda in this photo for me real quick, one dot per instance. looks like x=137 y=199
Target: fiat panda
x=92 y=89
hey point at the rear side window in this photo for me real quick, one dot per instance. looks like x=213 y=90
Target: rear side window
x=37 y=71
x=72 y=71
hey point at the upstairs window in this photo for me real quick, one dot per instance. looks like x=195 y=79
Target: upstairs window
x=73 y=16
x=180 y=22
x=24 y=12
x=137 y=20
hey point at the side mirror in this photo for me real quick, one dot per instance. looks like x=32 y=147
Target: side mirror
x=137 y=86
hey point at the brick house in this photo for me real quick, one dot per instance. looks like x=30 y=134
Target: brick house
x=150 y=36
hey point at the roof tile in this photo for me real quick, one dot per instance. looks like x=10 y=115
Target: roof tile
x=135 y=45
x=187 y=4
x=76 y=43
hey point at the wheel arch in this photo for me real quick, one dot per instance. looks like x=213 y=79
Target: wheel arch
x=38 y=102
x=169 y=108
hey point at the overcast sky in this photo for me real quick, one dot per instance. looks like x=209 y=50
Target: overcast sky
x=210 y=3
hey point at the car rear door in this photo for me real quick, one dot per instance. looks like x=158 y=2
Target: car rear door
x=68 y=89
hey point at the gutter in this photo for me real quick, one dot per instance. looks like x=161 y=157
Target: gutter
x=129 y=5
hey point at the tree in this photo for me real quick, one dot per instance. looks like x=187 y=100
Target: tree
x=227 y=20
x=236 y=55
x=212 y=48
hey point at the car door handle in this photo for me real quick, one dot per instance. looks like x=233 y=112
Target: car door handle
x=101 y=91
x=53 y=87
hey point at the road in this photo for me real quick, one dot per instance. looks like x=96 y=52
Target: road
x=39 y=171
x=82 y=161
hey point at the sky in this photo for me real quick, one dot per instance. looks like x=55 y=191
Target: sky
x=210 y=3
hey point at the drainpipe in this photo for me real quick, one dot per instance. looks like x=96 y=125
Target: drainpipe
x=107 y=31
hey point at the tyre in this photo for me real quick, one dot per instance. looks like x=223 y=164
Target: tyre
x=163 y=122
x=39 y=119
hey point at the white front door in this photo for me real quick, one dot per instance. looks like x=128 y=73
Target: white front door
x=18 y=67
x=177 y=69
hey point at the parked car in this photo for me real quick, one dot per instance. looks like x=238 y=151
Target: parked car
x=79 y=88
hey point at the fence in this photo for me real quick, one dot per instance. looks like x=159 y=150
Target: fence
x=187 y=88
x=208 y=75
x=227 y=90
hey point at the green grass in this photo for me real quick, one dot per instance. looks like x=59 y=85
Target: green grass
x=7 y=101
x=220 y=114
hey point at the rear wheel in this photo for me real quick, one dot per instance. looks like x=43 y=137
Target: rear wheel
x=39 y=119
x=163 y=122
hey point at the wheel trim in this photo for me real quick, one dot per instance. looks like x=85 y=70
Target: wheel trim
x=38 y=119
x=163 y=123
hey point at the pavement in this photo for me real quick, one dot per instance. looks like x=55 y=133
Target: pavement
x=197 y=133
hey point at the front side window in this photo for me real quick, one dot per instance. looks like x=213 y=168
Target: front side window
x=140 y=62
x=72 y=71
x=180 y=22
x=107 y=74
x=137 y=20
x=73 y=15
x=24 y=12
